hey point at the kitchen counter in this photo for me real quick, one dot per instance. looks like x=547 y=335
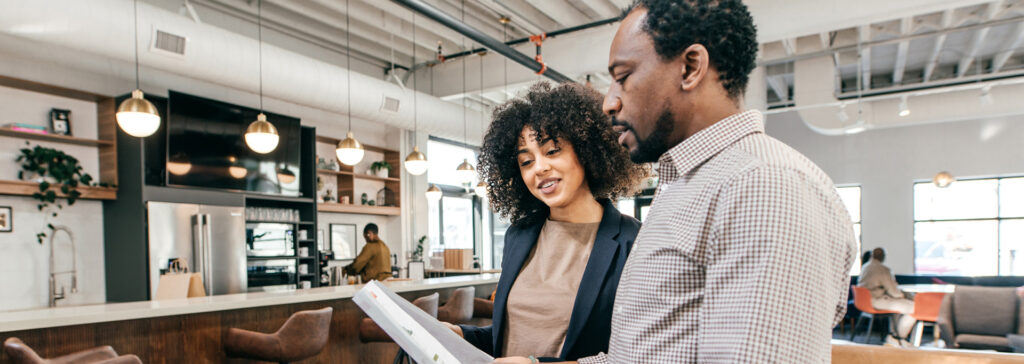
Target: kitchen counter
x=90 y=314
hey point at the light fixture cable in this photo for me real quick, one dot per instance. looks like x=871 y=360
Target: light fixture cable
x=259 y=32
x=135 y=6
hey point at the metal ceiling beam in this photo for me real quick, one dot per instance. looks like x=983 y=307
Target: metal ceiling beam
x=779 y=86
x=906 y=27
x=978 y=40
x=496 y=45
x=940 y=41
x=864 y=34
x=1016 y=38
x=560 y=11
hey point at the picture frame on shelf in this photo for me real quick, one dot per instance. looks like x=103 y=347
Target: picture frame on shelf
x=6 y=219
x=343 y=241
x=60 y=121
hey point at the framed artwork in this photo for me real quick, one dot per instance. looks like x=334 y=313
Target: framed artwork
x=60 y=121
x=6 y=219
x=343 y=241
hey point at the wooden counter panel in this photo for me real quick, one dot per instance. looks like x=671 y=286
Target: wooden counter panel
x=196 y=338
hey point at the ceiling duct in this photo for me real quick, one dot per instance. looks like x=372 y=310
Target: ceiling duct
x=88 y=37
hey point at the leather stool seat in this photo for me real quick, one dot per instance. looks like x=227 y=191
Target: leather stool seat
x=370 y=332
x=483 y=308
x=459 y=308
x=23 y=354
x=303 y=336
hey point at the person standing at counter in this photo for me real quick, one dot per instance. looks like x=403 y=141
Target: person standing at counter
x=553 y=167
x=374 y=261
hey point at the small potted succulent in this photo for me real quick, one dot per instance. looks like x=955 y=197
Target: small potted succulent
x=380 y=169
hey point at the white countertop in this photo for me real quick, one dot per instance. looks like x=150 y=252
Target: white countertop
x=88 y=314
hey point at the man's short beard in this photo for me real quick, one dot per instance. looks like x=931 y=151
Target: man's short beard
x=649 y=150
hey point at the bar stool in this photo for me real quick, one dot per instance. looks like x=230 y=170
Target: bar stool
x=483 y=308
x=370 y=332
x=23 y=354
x=303 y=336
x=459 y=308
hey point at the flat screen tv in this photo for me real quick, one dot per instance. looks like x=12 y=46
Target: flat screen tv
x=206 y=148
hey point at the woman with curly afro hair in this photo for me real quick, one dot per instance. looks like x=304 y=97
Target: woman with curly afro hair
x=553 y=168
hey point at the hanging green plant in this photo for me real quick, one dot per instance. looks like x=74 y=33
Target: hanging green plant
x=52 y=168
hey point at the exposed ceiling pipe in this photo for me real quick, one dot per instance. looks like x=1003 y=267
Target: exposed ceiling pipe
x=431 y=12
x=549 y=36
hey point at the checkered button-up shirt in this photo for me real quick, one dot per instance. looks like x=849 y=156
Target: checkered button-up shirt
x=743 y=258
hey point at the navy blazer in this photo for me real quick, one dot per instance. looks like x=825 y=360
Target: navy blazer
x=591 y=320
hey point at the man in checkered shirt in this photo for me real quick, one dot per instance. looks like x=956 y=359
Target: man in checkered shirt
x=744 y=255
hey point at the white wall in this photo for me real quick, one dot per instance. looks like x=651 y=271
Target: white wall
x=24 y=263
x=886 y=163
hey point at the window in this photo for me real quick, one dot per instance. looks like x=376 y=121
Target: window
x=455 y=220
x=851 y=199
x=971 y=228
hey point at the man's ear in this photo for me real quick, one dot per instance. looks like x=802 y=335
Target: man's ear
x=695 y=63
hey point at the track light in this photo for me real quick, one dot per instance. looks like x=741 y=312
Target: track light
x=986 y=95
x=857 y=127
x=842 y=115
x=904 y=110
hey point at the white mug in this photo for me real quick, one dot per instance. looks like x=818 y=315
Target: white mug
x=304 y=251
x=307 y=284
x=303 y=234
x=303 y=269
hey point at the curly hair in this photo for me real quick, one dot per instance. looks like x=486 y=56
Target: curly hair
x=724 y=27
x=569 y=113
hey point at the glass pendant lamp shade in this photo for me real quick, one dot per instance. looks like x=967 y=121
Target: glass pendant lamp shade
x=433 y=193
x=179 y=165
x=261 y=136
x=349 y=151
x=238 y=172
x=285 y=175
x=416 y=163
x=137 y=116
x=481 y=189
x=943 y=179
x=465 y=171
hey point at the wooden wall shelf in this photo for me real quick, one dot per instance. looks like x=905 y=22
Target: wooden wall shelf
x=359 y=209
x=23 y=188
x=358 y=175
x=54 y=138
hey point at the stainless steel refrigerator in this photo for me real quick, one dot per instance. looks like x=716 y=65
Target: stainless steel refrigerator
x=209 y=239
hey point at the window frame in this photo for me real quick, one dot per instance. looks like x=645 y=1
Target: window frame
x=460 y=192
x=858 y=223
x=998 y=219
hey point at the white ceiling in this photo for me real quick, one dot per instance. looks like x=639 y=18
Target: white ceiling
x=382 y=33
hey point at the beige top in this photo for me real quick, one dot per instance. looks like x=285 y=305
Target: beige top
x=542 y=297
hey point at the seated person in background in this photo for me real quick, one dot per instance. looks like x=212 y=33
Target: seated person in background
x=885 y=293
x=374 y=261
x=553 y=168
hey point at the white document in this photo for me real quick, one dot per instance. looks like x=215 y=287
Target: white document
x=424 y=338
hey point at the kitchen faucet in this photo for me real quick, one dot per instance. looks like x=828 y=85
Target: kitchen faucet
x=54 y=295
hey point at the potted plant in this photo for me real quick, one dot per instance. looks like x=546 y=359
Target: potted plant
x=52 y=168
x=417 y=255
x=380 y=169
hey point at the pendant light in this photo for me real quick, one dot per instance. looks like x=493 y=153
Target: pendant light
x=349 y=150
x=261 y=136
x=943 y=179
x=481 y=187
x=284 y=174
x=179 y=164
x=235 y=170
x=137 y=116
x=416 y=162
x=465 y=171
x=434 y=193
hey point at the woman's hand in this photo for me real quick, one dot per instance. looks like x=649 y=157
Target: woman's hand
x=514 y=360
x=456 y=329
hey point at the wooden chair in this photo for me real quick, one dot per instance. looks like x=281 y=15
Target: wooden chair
x=862 y=300
x=926 y=311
